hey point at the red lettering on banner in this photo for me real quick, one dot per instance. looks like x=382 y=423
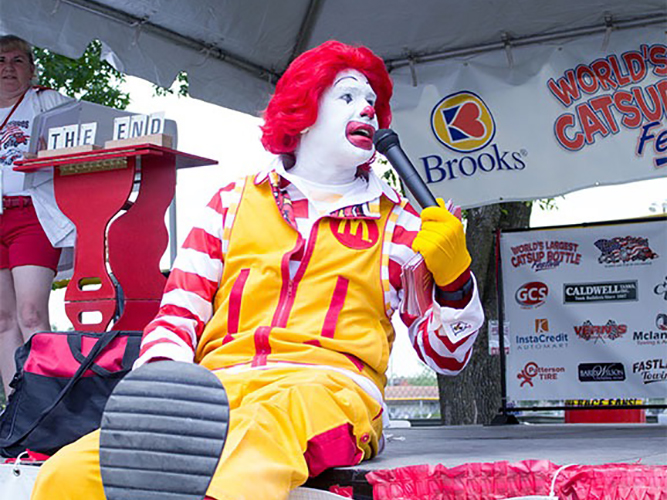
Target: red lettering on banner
x=603 y=104
x=603 y=72
x=590 y=122
x=565 y=89
x=657 y=56
x=632 y=116
x=602 y=115
x=636 y=66
x=622 y=79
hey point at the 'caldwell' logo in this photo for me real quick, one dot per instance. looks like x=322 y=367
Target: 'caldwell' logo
x=462 y=122
x=610 y=291
x=355 y=233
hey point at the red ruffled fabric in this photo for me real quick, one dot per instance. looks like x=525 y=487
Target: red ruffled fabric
x=500 y=480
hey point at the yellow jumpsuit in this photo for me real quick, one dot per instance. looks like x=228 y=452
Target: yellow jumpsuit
x=287 y=421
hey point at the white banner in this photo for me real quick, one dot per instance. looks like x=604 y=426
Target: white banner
x=587 y=311
x=537 y=121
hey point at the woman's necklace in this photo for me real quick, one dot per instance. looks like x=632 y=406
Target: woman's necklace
x=13 y=109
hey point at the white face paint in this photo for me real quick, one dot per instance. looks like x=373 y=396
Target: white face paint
x=342 y=137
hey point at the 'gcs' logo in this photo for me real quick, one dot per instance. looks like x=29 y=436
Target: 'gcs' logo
x=532 y=294
x=463 y=122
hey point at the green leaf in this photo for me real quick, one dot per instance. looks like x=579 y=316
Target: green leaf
x=88 y=78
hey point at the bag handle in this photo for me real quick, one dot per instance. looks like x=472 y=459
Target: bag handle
x=104 y=341
x=75 y=343
x=132 y=347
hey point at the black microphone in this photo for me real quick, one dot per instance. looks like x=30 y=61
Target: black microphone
x=387 y=143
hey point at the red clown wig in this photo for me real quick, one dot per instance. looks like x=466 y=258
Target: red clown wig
x=295 y=103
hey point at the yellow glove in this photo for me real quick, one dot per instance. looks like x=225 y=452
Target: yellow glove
x=442 y=243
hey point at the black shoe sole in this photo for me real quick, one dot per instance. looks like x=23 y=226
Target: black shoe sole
x=162 y=434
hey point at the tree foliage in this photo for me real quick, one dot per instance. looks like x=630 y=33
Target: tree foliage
x=180 y=87
x=88 y=78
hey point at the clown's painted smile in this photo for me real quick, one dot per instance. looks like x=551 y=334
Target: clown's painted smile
x=360 y=134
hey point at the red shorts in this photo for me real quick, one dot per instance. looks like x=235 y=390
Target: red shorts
x=22 y=239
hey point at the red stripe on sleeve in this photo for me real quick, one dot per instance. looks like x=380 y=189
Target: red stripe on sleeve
x=458 y=282
x=395 y=271
x=402 y=236
x=216 y=201
x=181 y=312
x=201 y=241
x=183 y=334
x=181 y=280
x=453 y=346
x=411 y=210
x=445 y=363
x=149 y=345
x=408 y=319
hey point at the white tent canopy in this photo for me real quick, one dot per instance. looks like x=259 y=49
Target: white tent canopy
x=234 y=50
x=527 y=128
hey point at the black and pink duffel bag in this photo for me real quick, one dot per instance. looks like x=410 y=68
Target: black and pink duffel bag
x=62 y=382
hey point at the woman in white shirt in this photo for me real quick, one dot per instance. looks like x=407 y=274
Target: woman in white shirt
x=30 y=222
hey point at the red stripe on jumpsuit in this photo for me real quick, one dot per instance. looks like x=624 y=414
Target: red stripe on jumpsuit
x=335 y=307
x=288 y=293
x=287 y=297
x=331 y=319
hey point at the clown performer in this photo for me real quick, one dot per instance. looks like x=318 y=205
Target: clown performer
x=284 y=290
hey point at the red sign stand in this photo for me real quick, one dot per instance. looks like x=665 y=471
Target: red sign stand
x=119 y=242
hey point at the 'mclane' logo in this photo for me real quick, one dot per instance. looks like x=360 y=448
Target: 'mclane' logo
x=355 y=233
x=463 y=122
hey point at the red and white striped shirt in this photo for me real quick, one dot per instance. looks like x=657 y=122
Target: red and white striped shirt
x=443 y=337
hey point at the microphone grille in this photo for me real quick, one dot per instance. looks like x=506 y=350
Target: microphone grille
x=384 y=139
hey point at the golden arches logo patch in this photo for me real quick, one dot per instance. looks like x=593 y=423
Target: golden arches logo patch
x=358 y=234
x=463 y=122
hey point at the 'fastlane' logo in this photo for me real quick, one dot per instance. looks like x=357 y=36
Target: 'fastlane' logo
x=463 y=122
x=651 y=370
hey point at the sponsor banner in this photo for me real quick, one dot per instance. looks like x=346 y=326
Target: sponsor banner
x=586 y=311
x=558 y=117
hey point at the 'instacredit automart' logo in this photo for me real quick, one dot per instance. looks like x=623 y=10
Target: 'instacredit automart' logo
x=462 y=122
